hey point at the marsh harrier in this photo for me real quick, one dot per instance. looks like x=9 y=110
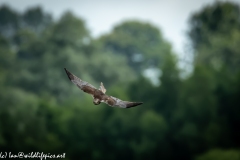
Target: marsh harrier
x=99 y=94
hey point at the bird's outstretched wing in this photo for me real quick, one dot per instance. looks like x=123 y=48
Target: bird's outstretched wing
x=85 y=86
x=102 y=88
x=115 y=102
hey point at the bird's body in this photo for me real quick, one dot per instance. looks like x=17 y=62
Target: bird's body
x=99 y=94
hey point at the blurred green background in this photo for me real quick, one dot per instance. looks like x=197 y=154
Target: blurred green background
x=190 y=113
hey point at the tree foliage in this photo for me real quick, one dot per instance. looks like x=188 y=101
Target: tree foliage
x=195 y=117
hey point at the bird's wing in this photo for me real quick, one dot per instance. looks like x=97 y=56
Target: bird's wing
x=115 y=102
x=85 y=86
x=102 y=88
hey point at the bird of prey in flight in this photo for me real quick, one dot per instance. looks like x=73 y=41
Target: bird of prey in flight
x=99 y=94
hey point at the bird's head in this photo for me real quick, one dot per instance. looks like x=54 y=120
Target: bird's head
x=96 y=101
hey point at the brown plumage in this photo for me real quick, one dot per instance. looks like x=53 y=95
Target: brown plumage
x=99 y=94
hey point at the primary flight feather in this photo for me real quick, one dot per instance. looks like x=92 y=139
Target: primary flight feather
x=99 y=94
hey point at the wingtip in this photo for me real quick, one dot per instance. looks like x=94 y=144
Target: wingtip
x=134 y=104
x=68 y=73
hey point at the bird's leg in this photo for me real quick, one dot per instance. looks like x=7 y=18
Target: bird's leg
x=102 y=88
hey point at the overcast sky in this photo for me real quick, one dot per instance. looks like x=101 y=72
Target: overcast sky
x=171 y=16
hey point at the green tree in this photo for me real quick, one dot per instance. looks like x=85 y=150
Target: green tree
x=7 y=59
x=69 y=30
x=9 y=21
x=219 y=18
x=141 y=43
x=35 y=19
x=214 y=33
